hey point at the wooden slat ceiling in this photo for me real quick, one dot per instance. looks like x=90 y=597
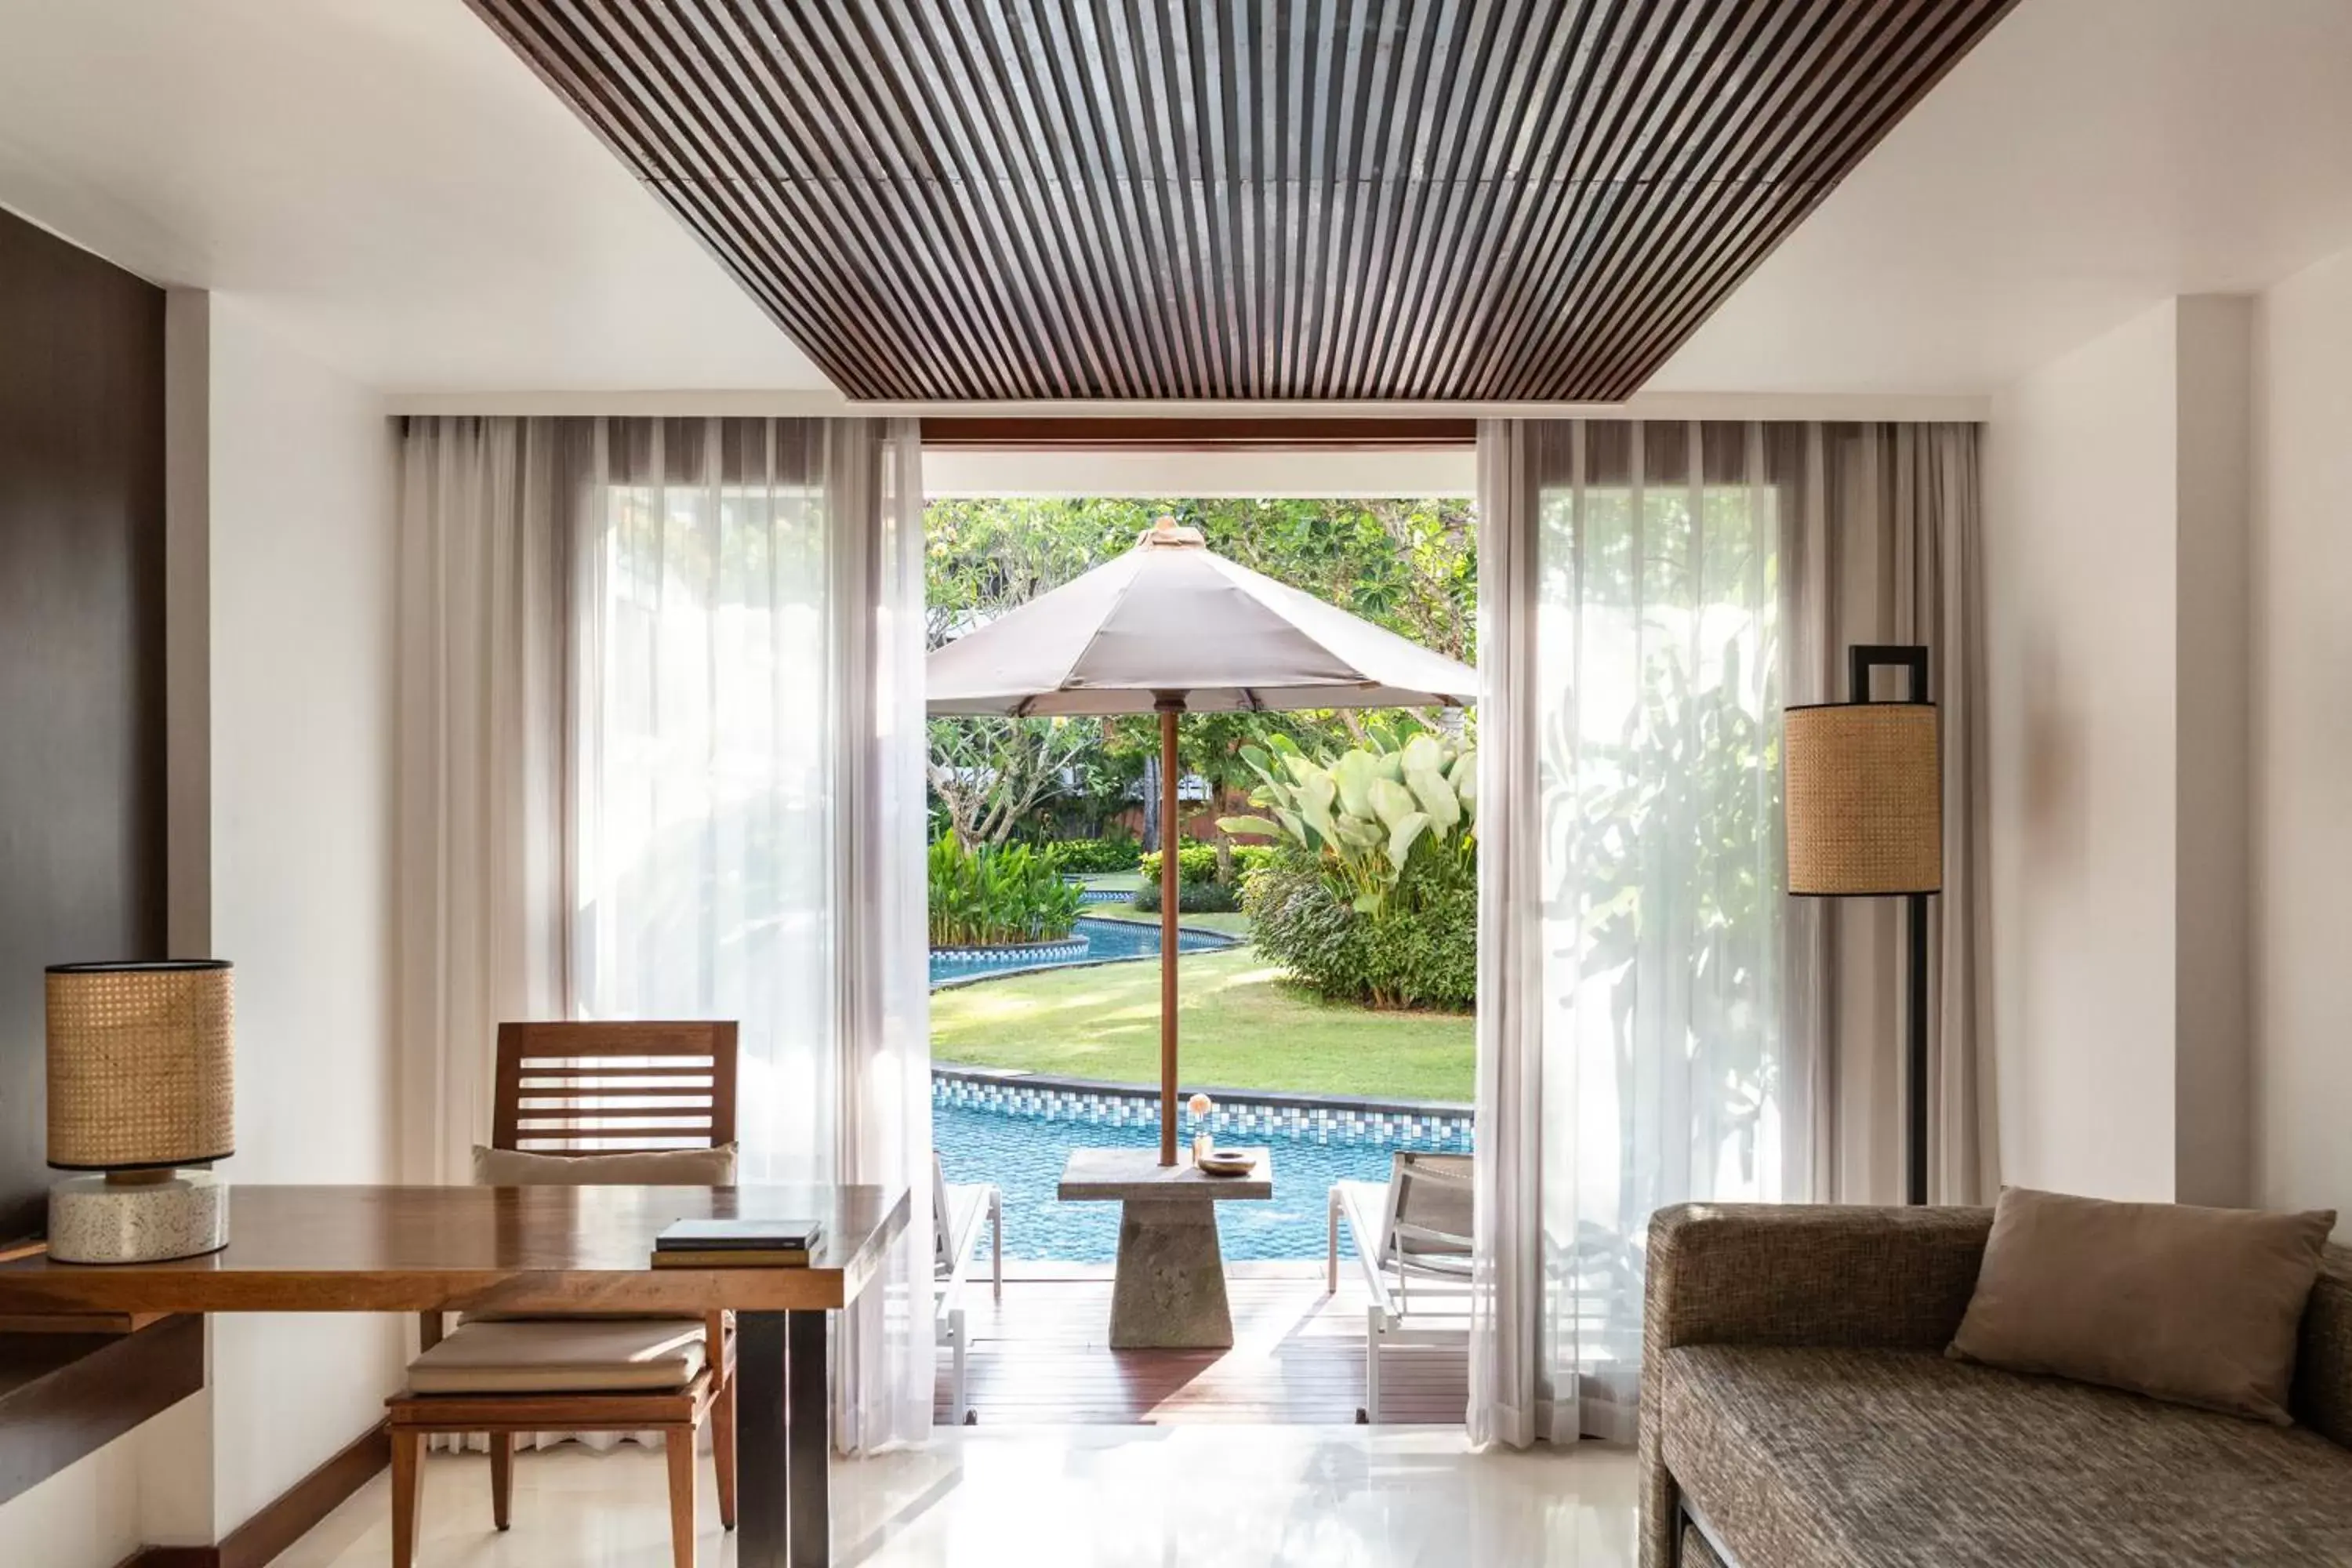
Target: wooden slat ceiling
x=1028 y=200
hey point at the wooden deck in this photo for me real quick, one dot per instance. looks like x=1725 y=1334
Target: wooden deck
x=1297 y=1359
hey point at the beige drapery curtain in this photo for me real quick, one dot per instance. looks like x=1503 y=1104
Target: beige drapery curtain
x=483 y=798
x=660 y=699
x=1881 y=542
x=1659 y=1022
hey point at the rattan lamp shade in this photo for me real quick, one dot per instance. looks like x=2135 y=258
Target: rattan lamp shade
x=142 y=1060
x=1863 y=799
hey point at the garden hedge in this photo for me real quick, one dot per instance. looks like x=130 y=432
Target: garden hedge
x=1093 y=854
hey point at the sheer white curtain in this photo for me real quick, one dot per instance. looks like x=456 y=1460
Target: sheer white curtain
x=1658 y=1022
x=1630 y=1053
x=736 y=826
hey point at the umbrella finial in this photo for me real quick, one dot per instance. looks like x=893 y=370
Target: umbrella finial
x=1168 y=534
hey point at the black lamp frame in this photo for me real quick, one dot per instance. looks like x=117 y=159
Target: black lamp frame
x=1912 y=659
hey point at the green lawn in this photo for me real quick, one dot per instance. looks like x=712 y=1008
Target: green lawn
x=1243 y=1026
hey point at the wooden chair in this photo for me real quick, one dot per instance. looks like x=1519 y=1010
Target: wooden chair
x=575 y=1090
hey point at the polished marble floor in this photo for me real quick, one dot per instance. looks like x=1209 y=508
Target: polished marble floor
x=1042 y=1354
x=1220 y=1497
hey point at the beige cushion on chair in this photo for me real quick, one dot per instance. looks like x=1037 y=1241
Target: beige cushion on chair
x=562 y=1356
x=663 y=1168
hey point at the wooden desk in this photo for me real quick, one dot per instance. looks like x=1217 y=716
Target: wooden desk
x=544 y=1249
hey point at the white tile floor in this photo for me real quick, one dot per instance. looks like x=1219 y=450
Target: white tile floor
x=1217 y=1496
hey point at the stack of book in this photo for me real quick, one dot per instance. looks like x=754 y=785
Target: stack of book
x=736 y=1244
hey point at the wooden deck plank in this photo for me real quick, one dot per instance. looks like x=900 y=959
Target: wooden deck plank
x=1042 y=1356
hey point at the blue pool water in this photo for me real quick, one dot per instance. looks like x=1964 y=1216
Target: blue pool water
x=1023 y=1156
x=1101 y=940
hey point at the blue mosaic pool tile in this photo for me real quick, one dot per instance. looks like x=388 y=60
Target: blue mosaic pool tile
x=1327 y=1124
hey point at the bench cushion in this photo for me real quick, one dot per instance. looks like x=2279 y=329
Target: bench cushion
x=639 y=1356
x=1822 y=1457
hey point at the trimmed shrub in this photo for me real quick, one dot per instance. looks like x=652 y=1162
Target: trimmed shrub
x=1092 y=855
x=1192 y=897
x=1423 y=952
x=1195 y=863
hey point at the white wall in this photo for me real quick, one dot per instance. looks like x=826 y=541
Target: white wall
x=2116 y=550
x=2212 y=980
x=301 y=694
x=2080 y=502
x=282 y=554
x=2302 y=792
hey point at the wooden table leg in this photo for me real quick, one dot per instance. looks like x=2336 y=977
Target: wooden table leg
x=764 y=1483
x=808 y=1441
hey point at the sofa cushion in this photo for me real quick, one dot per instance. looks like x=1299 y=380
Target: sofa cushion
x=1819 y=1457
x=2197 y=1305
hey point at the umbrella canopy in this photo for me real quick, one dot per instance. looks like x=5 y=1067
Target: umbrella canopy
x=1171 y=616
x=1171 y=627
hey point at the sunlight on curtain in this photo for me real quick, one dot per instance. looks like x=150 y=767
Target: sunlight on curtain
x=749 y=803
x=1658 y=690
x=1658 y=1023
x=1655 y=702
x=701 y=876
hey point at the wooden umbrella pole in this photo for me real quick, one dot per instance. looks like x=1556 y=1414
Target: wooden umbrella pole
x=1168 y=884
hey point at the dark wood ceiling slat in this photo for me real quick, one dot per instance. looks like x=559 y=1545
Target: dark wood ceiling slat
x=985 y=201
x=852 y=62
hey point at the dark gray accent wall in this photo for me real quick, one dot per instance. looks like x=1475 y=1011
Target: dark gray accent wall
x=81 y=651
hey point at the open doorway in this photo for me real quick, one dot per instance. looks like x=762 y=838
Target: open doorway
x=1327 y=1018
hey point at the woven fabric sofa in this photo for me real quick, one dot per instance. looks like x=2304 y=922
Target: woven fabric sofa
x=1798 y=1412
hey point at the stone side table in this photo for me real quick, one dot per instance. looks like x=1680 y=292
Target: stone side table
x=1168 y=1292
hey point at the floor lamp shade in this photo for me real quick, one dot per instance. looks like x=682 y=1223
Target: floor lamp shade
x=142 y=1060
x=1864 y=798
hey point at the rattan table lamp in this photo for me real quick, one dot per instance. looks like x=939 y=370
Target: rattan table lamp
x=142 y=1059
x=1864 y=805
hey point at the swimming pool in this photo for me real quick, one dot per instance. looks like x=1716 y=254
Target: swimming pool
x=1093 y=941
x=1024 y=1156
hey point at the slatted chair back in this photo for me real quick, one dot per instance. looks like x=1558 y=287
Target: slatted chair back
x=614 y=1088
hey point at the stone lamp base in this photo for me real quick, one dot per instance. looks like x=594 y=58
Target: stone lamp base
x=139 y=1216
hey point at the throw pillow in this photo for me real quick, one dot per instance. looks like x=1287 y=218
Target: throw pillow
x=667 y=1168
x=2198 y=1306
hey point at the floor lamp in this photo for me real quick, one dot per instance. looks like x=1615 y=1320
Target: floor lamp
x=1865 y=820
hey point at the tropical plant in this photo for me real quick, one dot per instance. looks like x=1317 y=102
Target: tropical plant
x=1362 y=815
x=997 y=896
x=1430 y=960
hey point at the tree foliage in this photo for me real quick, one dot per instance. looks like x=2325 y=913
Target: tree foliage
x=1406 y=564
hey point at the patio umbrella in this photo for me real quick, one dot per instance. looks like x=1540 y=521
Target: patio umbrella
x=1171 y=628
